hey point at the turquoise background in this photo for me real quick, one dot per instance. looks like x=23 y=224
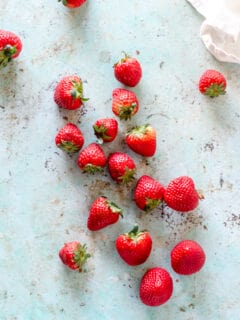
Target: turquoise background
x=44 y=196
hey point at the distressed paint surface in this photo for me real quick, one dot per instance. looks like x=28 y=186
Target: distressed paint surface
x=44 y=196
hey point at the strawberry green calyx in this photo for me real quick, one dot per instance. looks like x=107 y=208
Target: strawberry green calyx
x=134 y=234
x=139 y=130
x=81 y=256
x=127 y=112
x=77 y=91
x=215 y=90
x=6 y=55
x=100 y=132
x=128 y=175
x=151 y=204
x=91 y=168
x=125 y=57
x=200 y=195
x=114 y=208
x=68 y=146
x=64 y=2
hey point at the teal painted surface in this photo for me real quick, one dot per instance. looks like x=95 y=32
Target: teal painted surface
x=45 y=198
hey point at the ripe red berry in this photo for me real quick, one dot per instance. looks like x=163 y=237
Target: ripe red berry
x=128 y=71
x=72 y=3
x=74 y=255
x=142 y=140
x=92 y=159
x=181 y=195
x=187 y=257
x=156 y=287
x=212 y=83
x=103 y=213
x=10 y=47
x=148 y=193
x=106 y=129
x=69 y=138
x=69 y=93
x=121 y=167
x=124 y=103
x=134 y=247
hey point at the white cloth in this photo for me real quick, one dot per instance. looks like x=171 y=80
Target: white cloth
x=220 y=32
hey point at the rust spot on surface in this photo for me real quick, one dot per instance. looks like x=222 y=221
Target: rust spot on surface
x=209 y=146
x=232 y=221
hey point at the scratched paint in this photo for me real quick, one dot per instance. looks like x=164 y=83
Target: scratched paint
x=45 y=198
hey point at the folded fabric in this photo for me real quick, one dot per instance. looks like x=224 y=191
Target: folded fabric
x=220 y=32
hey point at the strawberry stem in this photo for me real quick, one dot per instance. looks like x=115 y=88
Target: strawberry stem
x=100 y=132
x=81 y=256
x=128 y=175
x=134 y=234
x=126 y=112
x=151 y=204
x=6 y=55
x=134 y=231
x=215 y=90
x=114 y=208
x=68 y=146
x=126 y=56
x=200 y=195
x=91 y=168
x=77 y=91
x=139 y=130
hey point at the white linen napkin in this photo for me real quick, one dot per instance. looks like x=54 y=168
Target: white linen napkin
x=220 y=32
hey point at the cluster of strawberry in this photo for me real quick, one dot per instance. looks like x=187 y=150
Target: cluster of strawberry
x=134 y=247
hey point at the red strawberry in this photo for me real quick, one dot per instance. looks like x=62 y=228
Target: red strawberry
x=102 y=213
x=69 y=138
x=74 y=255
x=69 y=93
x=212 y=83
x=121 y=167
x=148 y=193
x=72 y=3
x=10 y=47
x=106 y=129
x=187 y=257
x=181 y=195
x=124 y=103
x=156 y=287
x=134 y=247
x=142 y=140
x=128 y=71
x=92 y=158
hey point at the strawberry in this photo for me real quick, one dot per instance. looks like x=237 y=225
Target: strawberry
x=74 y=255
x=121 y=167
x=212 y=83
x=142 y=140
x=69 y=138
x=72 y=3
x=187 y=257
x=134 y=247
x=156 y=287
x=92 y=158
x=103 y=212
x=106 y=129
x=148 y=193
x=10 y=47
x=124 y=103
x=69 y=93
x=128 y=71
x=181 y=195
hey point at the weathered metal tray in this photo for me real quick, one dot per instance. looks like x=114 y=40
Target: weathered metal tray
x=44 y=196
